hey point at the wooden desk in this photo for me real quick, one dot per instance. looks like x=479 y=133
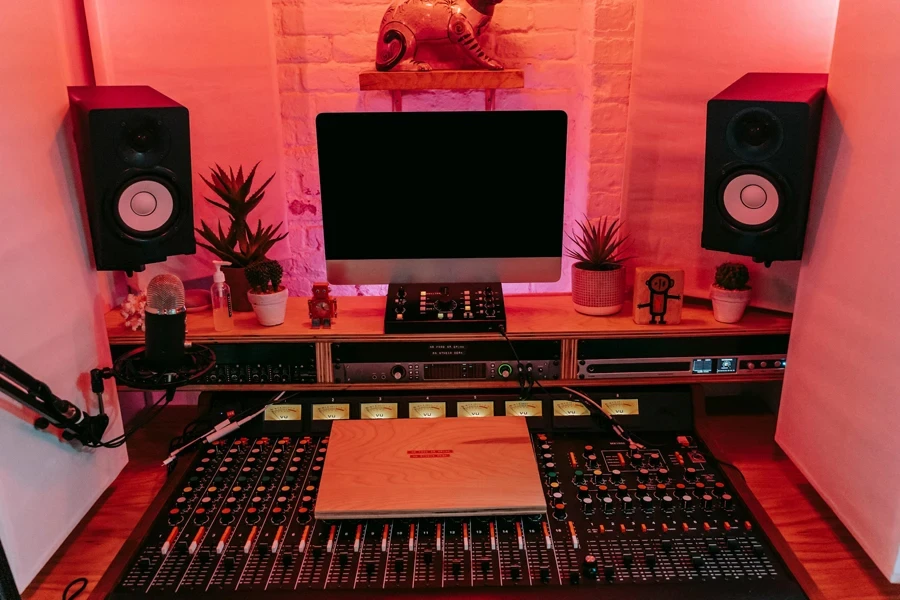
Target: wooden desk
x=833 y=559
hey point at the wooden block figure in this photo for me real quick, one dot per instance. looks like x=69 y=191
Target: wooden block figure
x=658 y=295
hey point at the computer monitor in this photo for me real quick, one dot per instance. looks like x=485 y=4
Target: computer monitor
x=442 y=196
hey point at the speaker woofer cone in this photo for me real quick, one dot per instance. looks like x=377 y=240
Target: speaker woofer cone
x=751 y=200
x=754 y=134
x=145 y=207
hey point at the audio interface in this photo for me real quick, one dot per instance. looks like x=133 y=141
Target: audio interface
x=707 y=357
x=408 y=362
x=449 y=308
x=256 y=363
x=617 y=520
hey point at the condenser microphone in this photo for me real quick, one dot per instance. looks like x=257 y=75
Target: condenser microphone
x=165 y=322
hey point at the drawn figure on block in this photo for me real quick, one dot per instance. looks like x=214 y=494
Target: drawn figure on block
x=659 y=285
x=322 y=307
x=408 y=23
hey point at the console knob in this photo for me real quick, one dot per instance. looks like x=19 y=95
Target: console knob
x=552 y=477
x=627 y=504
x=398 y=372
x=608 y=506
x=653 y=459
x=727 y=502
x=609 y=571
x=690 y=474
x=644 y=476
x=615 y=476
x=401 y=292
x=559 y=511
x=515 y=572
x=668 y=503
x=687 y=502
x=647 y=503
x=622 y=490
x=637 y=459
x=579 y=478
x=590 y=461
x=707 y=502
x=588 y=450
x=583 y=492
x=662 y=475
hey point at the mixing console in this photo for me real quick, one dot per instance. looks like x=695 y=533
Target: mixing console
x=655 y=522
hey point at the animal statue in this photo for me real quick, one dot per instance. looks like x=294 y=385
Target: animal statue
x=409 y=23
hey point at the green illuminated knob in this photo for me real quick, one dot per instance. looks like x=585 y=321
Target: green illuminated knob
x=505 y=370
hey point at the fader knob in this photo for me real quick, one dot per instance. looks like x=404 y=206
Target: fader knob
x=515 y=572
x=545 y=574
x=589 y=566
x=485 y=565
x=628 y=559
x=650 y=559
x=427 y=557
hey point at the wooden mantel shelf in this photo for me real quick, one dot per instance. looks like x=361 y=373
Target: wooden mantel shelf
x=539 y=316
x=442 y=80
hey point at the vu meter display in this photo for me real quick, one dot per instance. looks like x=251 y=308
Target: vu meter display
x=524 y=408
x=427 y=410
x=284 y=412
x=378 y=410
x=474 y=408
x=620 y=407
x=330 y=412
x=569 y=408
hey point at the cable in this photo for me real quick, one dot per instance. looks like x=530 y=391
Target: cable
x=617 y=429
x=520 y=369
x=120 y=440
x=81 y=580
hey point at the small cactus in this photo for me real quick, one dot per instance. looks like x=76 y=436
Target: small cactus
x=265 y=276
x=732 y=276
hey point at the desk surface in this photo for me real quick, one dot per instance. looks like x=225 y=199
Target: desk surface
x=833 y=559
x=541 y=316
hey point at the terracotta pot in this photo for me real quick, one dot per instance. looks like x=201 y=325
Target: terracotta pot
x=728 y=305
x=236 y=278
x=598 y=293
x=270 y=309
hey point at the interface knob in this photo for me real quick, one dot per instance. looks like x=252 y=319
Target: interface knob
x=398 y=372
x=650 y=559
x=505 y=370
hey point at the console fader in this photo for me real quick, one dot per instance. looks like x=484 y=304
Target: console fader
x=621 y=522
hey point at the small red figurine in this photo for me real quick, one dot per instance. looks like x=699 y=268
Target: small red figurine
x=322 y=307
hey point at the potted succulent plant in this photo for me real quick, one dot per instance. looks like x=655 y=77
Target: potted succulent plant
x=598 y=275
x=240 y=245
x=267 y=296
x=730 y=293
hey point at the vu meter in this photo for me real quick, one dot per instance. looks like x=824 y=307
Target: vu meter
x=524 y=408
x=378 y=410
x=620 y=407
x=284 y=412
x=569 y=408
x=475 y=408
x=330 y=412
x=427 y=410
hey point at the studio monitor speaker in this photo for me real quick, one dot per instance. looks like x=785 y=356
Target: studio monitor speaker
x=135 y=156
x=761 y=139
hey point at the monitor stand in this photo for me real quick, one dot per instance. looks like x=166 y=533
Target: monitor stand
x=444 y=308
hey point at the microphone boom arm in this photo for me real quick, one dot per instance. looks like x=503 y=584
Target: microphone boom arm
x=75 y=424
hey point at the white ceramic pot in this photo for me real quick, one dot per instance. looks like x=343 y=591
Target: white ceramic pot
x=269 y=308
x=598 y=293
x=728 y=305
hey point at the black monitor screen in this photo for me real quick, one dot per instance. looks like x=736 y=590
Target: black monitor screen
x=442 y=184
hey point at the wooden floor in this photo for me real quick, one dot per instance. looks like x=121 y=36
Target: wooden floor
x=836 y=563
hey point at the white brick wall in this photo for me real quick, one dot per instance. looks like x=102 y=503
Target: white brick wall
x=576 y=55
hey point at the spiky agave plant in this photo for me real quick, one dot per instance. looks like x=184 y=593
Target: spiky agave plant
x=241 y=245
x=598 y=247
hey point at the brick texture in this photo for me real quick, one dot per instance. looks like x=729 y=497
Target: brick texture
x=577 y=57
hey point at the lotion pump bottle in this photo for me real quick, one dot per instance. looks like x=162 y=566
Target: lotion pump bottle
x=220 y=293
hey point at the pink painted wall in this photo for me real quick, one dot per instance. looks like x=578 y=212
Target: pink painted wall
x=216 y=57
x=842 y=384
x=686 y=51
x=51 y=311
x=576 y=55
